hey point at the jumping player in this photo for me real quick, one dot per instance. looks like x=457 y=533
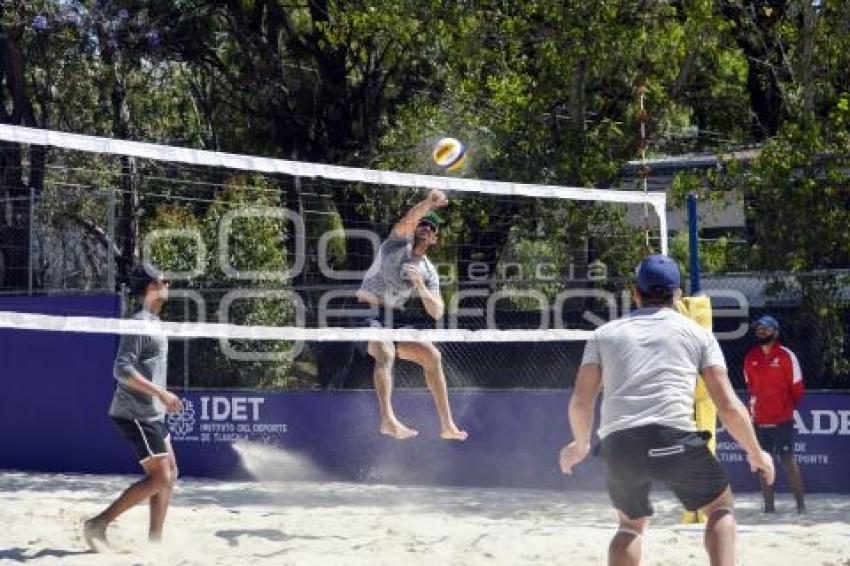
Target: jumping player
x=402 y=269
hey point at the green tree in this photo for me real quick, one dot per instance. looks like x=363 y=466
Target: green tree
x=254 y=243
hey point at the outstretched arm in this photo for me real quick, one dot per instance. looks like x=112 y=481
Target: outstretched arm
x=582 y=405
x=407 y=225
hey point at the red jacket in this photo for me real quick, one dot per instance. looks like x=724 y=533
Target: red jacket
x=774 y=382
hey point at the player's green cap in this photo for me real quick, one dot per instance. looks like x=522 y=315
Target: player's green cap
x=432 y=219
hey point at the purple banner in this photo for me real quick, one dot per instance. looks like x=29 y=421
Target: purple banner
x=822 y=424
x=57 y=389
x=514 y=438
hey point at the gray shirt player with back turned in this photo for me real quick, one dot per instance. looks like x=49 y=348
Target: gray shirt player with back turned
x=646 y=365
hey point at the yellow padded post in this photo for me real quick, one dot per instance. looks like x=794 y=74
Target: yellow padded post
x=705 y=413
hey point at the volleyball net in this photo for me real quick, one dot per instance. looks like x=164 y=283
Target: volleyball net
x=266 y=255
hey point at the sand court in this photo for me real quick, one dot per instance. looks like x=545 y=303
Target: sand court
x=304 y=522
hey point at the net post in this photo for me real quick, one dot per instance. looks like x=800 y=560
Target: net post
x=693 y=243
x=643 y=169
x=662 y=227
x=705 y=413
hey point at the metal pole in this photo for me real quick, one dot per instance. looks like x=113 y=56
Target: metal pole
x=123 y=301
x=186 y=345
x=31 y=243
x=110 y=244
x=643 y=170
x=693 y=243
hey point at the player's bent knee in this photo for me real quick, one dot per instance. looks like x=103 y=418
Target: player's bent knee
x=719 y=513
x=161 y=473
x=723 y=501
x=423 y=354
x=433 y=357
x=171 y=478
x=165 y=482
x=628 y=533
x=627 y=525
x=384 y=354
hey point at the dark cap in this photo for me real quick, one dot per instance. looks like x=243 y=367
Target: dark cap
x=766 y=320
x=657 y=271
x=432 y=219
x=142 y=275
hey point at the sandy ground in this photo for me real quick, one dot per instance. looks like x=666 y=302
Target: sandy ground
x=303 y=523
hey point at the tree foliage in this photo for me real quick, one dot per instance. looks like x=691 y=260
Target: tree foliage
x=542 y=91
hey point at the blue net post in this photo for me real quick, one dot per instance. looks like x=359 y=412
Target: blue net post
x=693 y=244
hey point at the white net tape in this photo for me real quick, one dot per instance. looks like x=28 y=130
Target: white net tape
x=388 y=179
x=98 y=325
x=384 y=179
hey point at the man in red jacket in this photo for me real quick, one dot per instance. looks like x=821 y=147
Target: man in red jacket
x=775 y=385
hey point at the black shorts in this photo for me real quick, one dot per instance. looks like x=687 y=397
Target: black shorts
x=146 y=438
x=778 y=439
x=396 y=319
x=400 y=319
x=680 y=459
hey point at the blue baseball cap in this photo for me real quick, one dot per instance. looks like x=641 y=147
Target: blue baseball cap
x=657 y=271
x=766 y=320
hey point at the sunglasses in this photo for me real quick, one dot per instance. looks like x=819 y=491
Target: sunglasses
x=427 y=225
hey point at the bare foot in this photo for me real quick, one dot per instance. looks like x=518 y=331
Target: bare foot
x=94 y=532
x=453 y=433
x=397 y=430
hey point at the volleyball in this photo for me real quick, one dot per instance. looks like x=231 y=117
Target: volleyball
x=449 y=154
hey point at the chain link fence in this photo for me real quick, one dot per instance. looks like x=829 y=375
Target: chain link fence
x=58 y=241
x=16 y=271
x=813 y=310
x=64 y=242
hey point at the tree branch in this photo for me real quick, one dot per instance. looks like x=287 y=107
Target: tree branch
x=94 y=230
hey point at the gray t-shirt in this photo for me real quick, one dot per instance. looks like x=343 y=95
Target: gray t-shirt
x=385 y=278
x=650 y=361
x=147 y=355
